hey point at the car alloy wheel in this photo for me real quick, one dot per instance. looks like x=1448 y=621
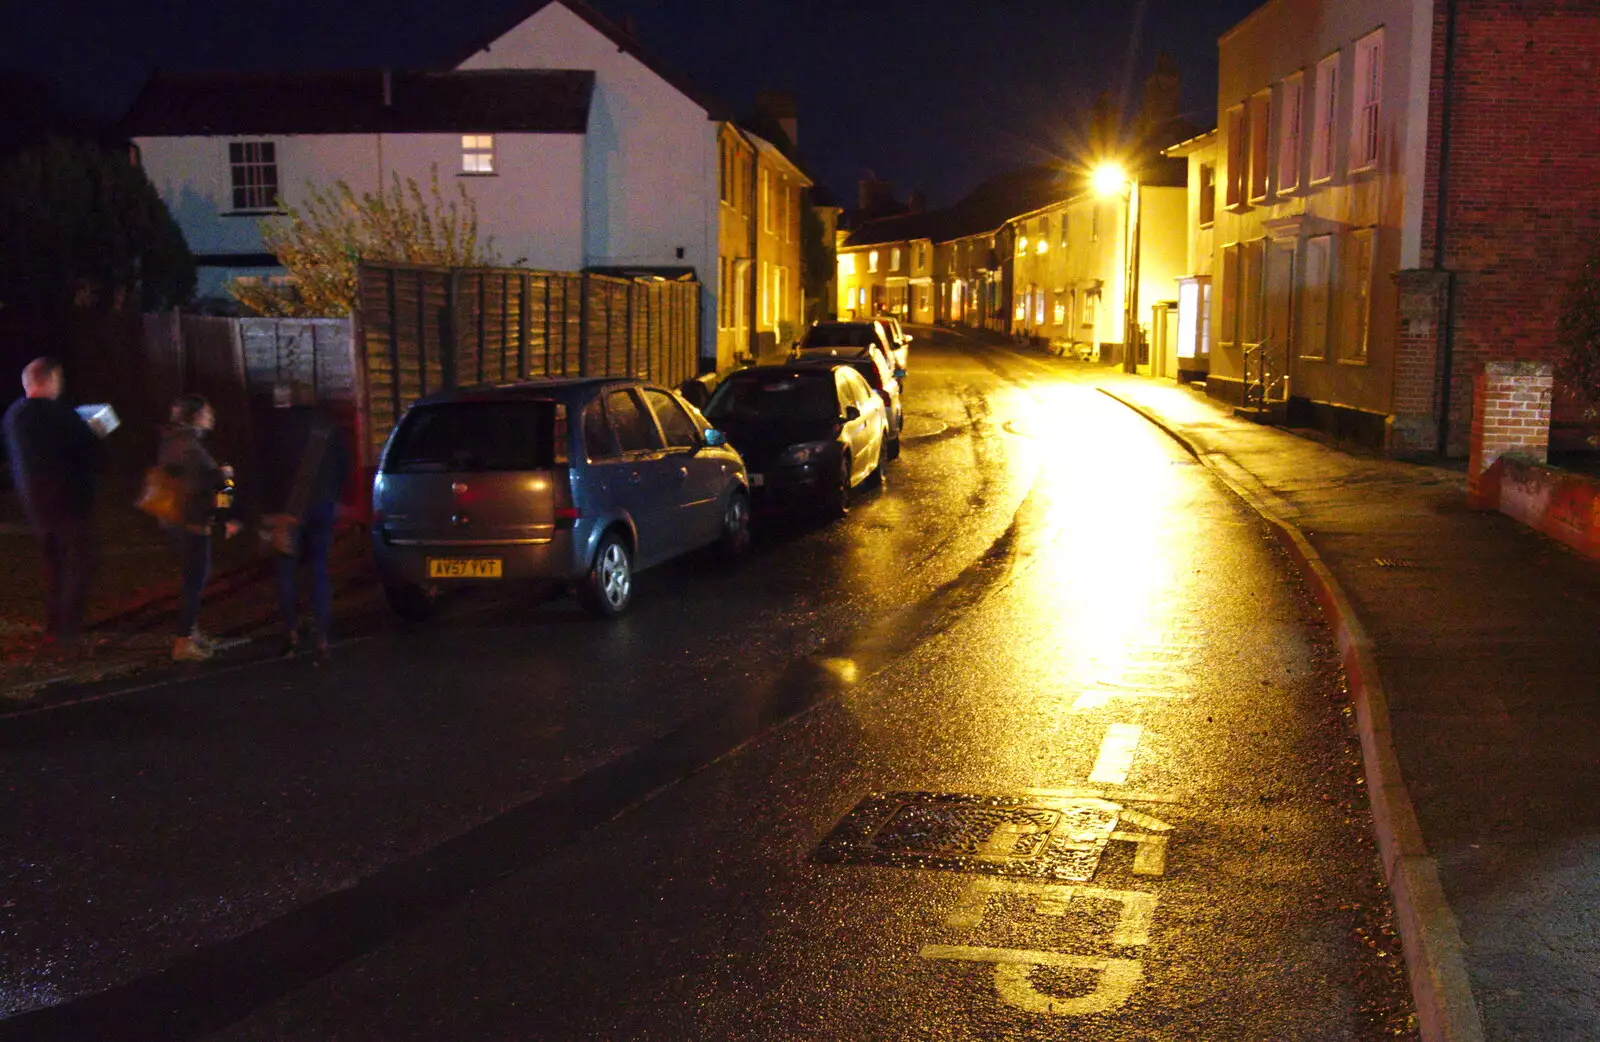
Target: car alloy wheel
x=607 y=590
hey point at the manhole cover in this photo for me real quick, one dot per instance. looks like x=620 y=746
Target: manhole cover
x=1038 y=837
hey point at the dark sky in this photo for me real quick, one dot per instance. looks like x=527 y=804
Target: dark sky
x=930 y=93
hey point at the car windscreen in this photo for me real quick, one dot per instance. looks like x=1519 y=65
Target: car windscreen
x=479 y=436
x=838 y=336
x=775 y=398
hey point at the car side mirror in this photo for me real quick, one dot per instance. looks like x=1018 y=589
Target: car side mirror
x=851 y=414
x=909 y=338
x=714 y=437
x=899 y=374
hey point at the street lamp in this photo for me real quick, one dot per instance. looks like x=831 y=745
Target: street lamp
x=1109 y=179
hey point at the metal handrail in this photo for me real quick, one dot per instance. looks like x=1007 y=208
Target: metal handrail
x=1264 y=386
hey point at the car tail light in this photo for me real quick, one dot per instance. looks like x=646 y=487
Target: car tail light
x=565 y=517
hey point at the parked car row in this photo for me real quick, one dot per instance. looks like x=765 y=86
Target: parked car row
x=585 y=482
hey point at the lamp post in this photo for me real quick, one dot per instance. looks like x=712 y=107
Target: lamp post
x=1110 y=178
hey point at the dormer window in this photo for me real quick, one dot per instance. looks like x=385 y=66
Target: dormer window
x=477 y=153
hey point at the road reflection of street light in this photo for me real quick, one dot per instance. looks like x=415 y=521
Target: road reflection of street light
x=1110 y=179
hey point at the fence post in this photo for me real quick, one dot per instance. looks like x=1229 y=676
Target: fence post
x=448 y=330
x=632 y=288
x=525 y=289
x=583 y=324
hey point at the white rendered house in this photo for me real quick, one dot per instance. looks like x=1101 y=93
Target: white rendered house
x=579 y=149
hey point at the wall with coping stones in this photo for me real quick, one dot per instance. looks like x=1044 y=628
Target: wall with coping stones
x=1510 y=416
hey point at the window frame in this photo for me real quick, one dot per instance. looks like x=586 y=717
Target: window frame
x=1234 y=192
x=1366 y=102
x=1356 y=294
x=1207 y=176
x=1259 y=141
x=1325 y=121
x=675 y=409
x=473 y=147
x=260 y=155
x=1291 y=120
x=1316 y=297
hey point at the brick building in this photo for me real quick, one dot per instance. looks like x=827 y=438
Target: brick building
x=1403 y=190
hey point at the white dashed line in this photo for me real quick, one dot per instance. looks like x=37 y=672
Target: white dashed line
x=1117 y=749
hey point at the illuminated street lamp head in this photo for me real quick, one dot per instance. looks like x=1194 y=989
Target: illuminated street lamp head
x=1108 y=179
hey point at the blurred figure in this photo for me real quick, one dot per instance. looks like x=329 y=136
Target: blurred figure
x=305 y=460
x=54 y=456
x=185 y=458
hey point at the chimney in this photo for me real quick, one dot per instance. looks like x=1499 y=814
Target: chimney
x=779 y=107
x=872 y=195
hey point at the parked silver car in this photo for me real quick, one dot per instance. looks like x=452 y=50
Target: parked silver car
x=581 y=481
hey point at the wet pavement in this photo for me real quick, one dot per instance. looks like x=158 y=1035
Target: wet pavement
x=1045 y=740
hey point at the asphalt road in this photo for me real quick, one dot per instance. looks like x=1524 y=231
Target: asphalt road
x=1044 y=740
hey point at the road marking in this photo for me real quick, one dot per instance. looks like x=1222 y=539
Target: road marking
x=1072 y=792
x=1013 y=970
x=1149 y=853
x=1052 y=899
x=1087 y=701
x=1117 y=750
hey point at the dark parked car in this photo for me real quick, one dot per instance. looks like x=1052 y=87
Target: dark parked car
x=809 y=433
x=880 y=377
x=838 y=340
x=580 y=481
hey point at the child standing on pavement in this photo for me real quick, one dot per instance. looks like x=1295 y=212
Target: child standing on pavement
x=185 y=458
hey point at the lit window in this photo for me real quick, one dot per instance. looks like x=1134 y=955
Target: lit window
x=1325 y=118
x=1063 y=231
x=894 y=260
x=1022 y=245
x=477 y=153
x=847 y=264
x=872 y=261
x=254 y=166
x=1042 y=246
x=1208 y=194
x=1289 y=111
x=1366 y=106
x=1060 y=312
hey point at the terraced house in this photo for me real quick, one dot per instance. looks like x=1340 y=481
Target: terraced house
x=1402 y=190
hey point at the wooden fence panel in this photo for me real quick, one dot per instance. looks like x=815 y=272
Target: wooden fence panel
x=423 y=329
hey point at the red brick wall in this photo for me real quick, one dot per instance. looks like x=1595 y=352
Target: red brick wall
x=1523 y=176
x=1511 y=414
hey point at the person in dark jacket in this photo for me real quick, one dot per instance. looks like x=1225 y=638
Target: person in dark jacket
x=185 y=458
x=54 y=457
x=305 y=459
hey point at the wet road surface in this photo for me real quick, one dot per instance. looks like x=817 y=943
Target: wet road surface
x=1044 y=740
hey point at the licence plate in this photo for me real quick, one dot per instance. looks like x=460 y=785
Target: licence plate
x=757 y=480
x=463 y=567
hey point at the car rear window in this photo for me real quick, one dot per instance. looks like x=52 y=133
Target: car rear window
x=780 y=396
x=480 y=436
x=838 y=336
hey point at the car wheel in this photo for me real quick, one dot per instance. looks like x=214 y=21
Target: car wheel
x=838 y=501
x=412 y=603
x=735 y=540
x=607 y=590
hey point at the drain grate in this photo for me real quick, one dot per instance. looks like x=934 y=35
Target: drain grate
x=1395 y=562
x=1037 y=837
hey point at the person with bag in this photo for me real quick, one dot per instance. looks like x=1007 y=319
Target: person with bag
x=186 y=462
x=305 y=460
x=54 y=457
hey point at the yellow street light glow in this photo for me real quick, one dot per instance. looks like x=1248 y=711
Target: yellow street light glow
x=1108 y=179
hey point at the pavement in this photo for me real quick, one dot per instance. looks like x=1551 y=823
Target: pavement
x=133 y=601
x=1469 y=643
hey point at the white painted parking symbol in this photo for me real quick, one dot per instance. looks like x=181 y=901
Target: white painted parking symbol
x=1115 y=979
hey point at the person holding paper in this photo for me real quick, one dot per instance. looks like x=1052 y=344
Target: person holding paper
x=54 y=458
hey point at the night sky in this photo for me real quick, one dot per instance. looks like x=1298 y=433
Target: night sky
x=931 y=93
